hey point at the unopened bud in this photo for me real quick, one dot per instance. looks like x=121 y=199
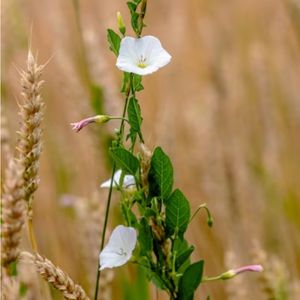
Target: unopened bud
x=232 y=273
x=100 y=119
x=120 y=22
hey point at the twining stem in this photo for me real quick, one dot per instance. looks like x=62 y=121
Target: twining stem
x=120 y=138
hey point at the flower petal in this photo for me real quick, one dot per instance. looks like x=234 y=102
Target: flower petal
x=146 y=50
x=119 y=247
x=127 y=182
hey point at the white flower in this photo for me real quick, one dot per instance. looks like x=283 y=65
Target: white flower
x=119 y=247
x=142 y=56
x=127 y=182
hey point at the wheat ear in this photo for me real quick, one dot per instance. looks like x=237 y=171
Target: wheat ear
x=55 y=276
x=13 y=212
x=31 y=112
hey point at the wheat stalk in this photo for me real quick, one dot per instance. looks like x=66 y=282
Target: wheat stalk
x=31 y=112
x=55 y=276
x=13 y=208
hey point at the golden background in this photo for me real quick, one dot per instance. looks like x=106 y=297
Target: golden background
x=226 y=110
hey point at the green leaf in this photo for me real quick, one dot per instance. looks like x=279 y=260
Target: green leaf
x=145 y=237
x=135 y=22
x=190 y=280
x=155 y=278
x=132 y=7
x=114 y=41
x=177 y=213
x=134 y=117
x=183 y=257
x=125 y=160
x=160 y=175
x=137 y=83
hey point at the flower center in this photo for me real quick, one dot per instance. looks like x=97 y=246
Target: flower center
x=142 y=62
x=122 y=252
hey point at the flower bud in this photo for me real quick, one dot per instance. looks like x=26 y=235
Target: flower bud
x=232 y=273
x=100 y=119
x=121 y=24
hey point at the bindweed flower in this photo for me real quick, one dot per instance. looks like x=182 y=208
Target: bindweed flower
x=119 y=247
x=142 y=56
x=232 y=273
x=77 y=126
x=128 y=181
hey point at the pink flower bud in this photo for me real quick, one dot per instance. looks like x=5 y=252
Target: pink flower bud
x=77 y=126
x=232 y=273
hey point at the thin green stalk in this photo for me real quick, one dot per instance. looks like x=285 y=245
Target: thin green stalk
x=109 y=197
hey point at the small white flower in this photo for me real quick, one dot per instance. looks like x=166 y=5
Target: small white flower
x=119 y=247
x=127 y=182
x=142 y=56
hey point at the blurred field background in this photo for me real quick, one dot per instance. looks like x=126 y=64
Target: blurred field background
x=226 y=110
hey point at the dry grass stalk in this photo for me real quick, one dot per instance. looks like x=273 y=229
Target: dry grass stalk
x=31 y=112
x=13 y=212
x=55 y=276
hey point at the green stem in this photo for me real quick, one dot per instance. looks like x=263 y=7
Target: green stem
x=209 y=218
x=120 y=138
x=207 y=279
x=119 y=118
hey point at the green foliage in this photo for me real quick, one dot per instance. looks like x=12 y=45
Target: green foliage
x=177 y=213
x=145 y=237
x=125 y=160
x=190 y=280
x=135 y=118
x=114 y=41
x=157 y=280
x=160 y=175
x=137 y=83
x=183 y=257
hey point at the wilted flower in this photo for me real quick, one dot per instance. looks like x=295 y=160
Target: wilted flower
x=232 y=273
x=119 y=247
x=128 y=181
x=142 y=56
x=77 y=126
